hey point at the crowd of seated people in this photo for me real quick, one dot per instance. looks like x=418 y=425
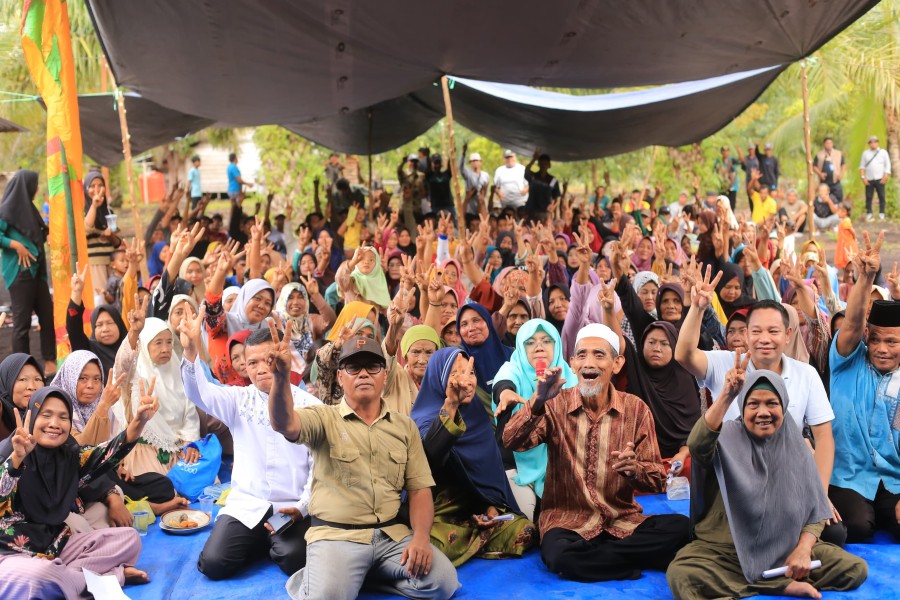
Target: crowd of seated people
x=413 y=389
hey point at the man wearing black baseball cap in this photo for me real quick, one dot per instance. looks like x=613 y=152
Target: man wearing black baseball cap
x=365 y=455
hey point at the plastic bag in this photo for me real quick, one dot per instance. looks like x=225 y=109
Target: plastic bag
x=679 y=489
x=142 y=505
x=190 y=480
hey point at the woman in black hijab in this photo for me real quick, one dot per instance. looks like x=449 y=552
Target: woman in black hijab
x=17 y=384
x=667 y=388
x=556 y=305
x=108 y=329
x=24 y=265
x=41 y=480
x=101 y=239
x=731 y=289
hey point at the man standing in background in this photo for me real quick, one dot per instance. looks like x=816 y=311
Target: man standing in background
x=194 y=181
x=874 y=168
x=334 y=170
x=477 y=182
x=726 y=168
x=509 y=179
x=235 y=182
x=768 y=168
x=831 y=166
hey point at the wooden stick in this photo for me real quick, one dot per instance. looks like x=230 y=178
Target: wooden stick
x=647 y=178
x=454 y=168
x=371 y=186
x=104 y=171
x=126 y=150
x=810 y=192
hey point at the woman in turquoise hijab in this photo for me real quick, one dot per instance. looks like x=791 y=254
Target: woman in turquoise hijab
x=538 y=348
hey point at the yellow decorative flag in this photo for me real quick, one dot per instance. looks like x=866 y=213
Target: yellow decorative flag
x=47 y=44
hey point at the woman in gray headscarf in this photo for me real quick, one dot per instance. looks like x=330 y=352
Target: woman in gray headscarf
x=756 y=503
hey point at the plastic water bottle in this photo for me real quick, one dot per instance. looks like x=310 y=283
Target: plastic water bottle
x=676 y=467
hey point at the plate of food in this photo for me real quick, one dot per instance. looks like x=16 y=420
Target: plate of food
x=184 y=521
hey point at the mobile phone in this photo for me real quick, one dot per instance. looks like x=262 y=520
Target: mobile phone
x=279 y=522
x=504 y=517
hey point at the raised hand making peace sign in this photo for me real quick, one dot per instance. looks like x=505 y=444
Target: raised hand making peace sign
x=22 y=440
x=462 y=382
x=734 y=379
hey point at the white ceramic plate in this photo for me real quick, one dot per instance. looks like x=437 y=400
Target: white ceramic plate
x=169 y=520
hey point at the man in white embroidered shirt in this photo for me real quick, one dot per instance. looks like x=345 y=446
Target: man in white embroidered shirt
x=270 y=475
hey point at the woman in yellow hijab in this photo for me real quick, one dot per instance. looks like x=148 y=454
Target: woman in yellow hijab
x=352 y=311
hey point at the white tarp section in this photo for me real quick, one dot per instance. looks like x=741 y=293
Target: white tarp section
x=566 y=127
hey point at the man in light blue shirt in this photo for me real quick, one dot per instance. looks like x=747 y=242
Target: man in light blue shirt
x=194 y=180
x=865 y=393
x=235 y=183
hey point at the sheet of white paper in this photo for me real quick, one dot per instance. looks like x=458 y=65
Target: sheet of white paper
x=104 y=587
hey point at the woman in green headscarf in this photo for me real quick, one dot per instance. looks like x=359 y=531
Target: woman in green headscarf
x=538 y=348
x=364 y=278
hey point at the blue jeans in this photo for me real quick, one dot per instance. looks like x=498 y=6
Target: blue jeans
x=337 y=570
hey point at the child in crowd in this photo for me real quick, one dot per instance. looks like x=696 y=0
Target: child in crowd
x=118 y=265
x=846 y=237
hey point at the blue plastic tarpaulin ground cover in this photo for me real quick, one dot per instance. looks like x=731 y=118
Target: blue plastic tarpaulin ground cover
x=171 y=562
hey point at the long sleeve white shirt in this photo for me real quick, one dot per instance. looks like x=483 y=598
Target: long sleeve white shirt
x=875 y=163
x=268 y=470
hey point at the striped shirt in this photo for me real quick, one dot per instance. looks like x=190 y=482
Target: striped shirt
x=582 y=492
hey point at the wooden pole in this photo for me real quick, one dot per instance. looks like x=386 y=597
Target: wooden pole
x=371 y=125
x=104 y=69
x=810 y=192
x=126 y=150
x=647 y=178
x=454 y=167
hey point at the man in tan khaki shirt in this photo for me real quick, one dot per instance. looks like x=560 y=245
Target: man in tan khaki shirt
x=365 y=455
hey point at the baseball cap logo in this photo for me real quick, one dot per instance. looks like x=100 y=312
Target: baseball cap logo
x=360 y=343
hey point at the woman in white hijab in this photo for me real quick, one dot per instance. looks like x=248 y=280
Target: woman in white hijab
x=193 y=272
x=248 y=311
x=251 y=307
x=150 y=355
x=82 y=376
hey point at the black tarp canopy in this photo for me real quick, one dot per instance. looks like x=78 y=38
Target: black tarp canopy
x=149 y=125
x=320 y=66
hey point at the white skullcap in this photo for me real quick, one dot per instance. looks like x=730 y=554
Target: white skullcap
x=598 y=330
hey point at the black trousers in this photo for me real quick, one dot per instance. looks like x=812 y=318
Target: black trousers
x=835 y=534
x=862 y=516
x=32 y=295
x=232 y=546
x=875 y=187
x=732 y=198
x=651 y=546
x=837 y=190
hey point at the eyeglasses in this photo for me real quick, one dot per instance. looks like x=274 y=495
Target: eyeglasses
x=542 y=342
x=353 y=370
